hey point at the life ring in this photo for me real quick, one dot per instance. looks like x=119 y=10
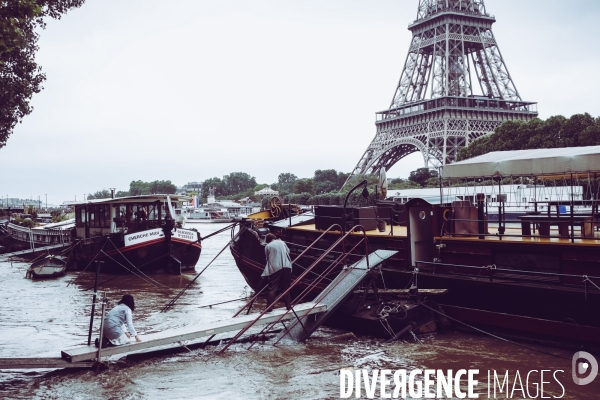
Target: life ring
x=275 y=206
x=446 y=214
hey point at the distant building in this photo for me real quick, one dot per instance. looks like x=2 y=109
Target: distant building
x=190 y=187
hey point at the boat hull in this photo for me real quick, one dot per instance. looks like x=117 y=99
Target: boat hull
x=150 y=256
x=47 y=268
x=535 y=306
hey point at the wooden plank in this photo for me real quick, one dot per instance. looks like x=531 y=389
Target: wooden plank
x=31 y=363
x=190 y=333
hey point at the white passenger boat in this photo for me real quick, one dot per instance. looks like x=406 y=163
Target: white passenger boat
x=209 y=215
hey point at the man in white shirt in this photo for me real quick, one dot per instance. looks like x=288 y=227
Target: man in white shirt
x=278 y=269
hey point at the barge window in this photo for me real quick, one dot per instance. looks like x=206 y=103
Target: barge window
x=99 y=216
x=80 y=217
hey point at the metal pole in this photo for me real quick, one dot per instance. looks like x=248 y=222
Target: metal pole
x=93 y=303
x=572 y=211
x=101 y=327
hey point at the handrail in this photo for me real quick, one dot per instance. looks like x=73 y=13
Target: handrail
x=306 y=271
x=571 y=220
x=294 y=261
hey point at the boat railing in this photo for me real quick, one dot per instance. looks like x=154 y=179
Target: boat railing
x=38 y=236
x=526 y=226
x=309 y=286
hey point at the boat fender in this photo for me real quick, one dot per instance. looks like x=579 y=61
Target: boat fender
x=446 y=214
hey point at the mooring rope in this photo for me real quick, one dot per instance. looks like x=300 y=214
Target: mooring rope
x=130 y=263
x=178 y=295
x=495 y=336
x=141 y=275
x=90 y=263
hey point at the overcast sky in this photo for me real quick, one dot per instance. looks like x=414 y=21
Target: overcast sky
x=187 y=90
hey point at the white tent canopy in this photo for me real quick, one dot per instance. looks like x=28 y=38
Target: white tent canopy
x=266 y=192
x=539 y=162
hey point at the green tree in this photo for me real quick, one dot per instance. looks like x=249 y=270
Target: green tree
x=422 y=175
x=341 y=179
x=162 y=187
x=101 y=194
x=138 y=188
x=325 y=181
x=237 y=182
x=20 y=76
x=215 y=182
x=399 y=183
x=286 y=182
x=305 y=185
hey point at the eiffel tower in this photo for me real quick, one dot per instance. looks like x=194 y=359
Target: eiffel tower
x=436 y=109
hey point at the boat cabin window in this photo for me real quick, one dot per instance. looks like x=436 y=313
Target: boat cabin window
x=99 y=216
x=80 y=216
x=147 y=211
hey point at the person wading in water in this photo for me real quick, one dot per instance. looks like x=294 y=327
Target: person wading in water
x=114 y=333
x=278 y=269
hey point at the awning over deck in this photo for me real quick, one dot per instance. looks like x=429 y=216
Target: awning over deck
x=539 y=162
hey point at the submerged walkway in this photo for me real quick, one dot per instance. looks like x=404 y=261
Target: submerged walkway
x=195 y=332
x=35 y=250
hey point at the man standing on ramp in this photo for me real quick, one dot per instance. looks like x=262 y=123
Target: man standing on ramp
x=278 y=270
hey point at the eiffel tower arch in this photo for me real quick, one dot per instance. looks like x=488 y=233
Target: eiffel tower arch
x=454 y=88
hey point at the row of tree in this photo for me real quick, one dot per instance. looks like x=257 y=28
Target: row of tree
x=239 y=185
x=138 y=188
x=557 y=131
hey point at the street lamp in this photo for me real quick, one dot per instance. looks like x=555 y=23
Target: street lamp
x=46 y=201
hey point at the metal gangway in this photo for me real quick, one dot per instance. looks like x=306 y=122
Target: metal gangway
x=333 y=295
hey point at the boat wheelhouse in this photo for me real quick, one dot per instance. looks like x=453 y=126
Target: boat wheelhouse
x=136 y=232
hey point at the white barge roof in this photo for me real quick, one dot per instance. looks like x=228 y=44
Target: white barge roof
x=147 y=198
x=538 y=162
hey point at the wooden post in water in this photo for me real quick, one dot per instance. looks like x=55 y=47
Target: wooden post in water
x=94 y=302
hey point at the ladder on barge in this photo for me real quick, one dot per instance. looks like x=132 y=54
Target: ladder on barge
x=334 y=294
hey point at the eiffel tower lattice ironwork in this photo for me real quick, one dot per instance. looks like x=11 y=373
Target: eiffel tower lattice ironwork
x=435 y=109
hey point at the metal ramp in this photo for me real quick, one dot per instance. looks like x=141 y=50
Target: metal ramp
x=177 y=336
x=334 y=294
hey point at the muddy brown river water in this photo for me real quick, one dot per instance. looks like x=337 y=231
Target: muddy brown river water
x=40 y=318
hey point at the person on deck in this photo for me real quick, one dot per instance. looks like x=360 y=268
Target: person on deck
x=278 y=269
x=114 y=333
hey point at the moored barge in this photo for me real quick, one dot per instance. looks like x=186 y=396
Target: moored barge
x=133 y=233
x=537 y=277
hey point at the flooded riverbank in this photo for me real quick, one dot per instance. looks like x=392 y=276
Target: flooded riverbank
x=44 y=317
